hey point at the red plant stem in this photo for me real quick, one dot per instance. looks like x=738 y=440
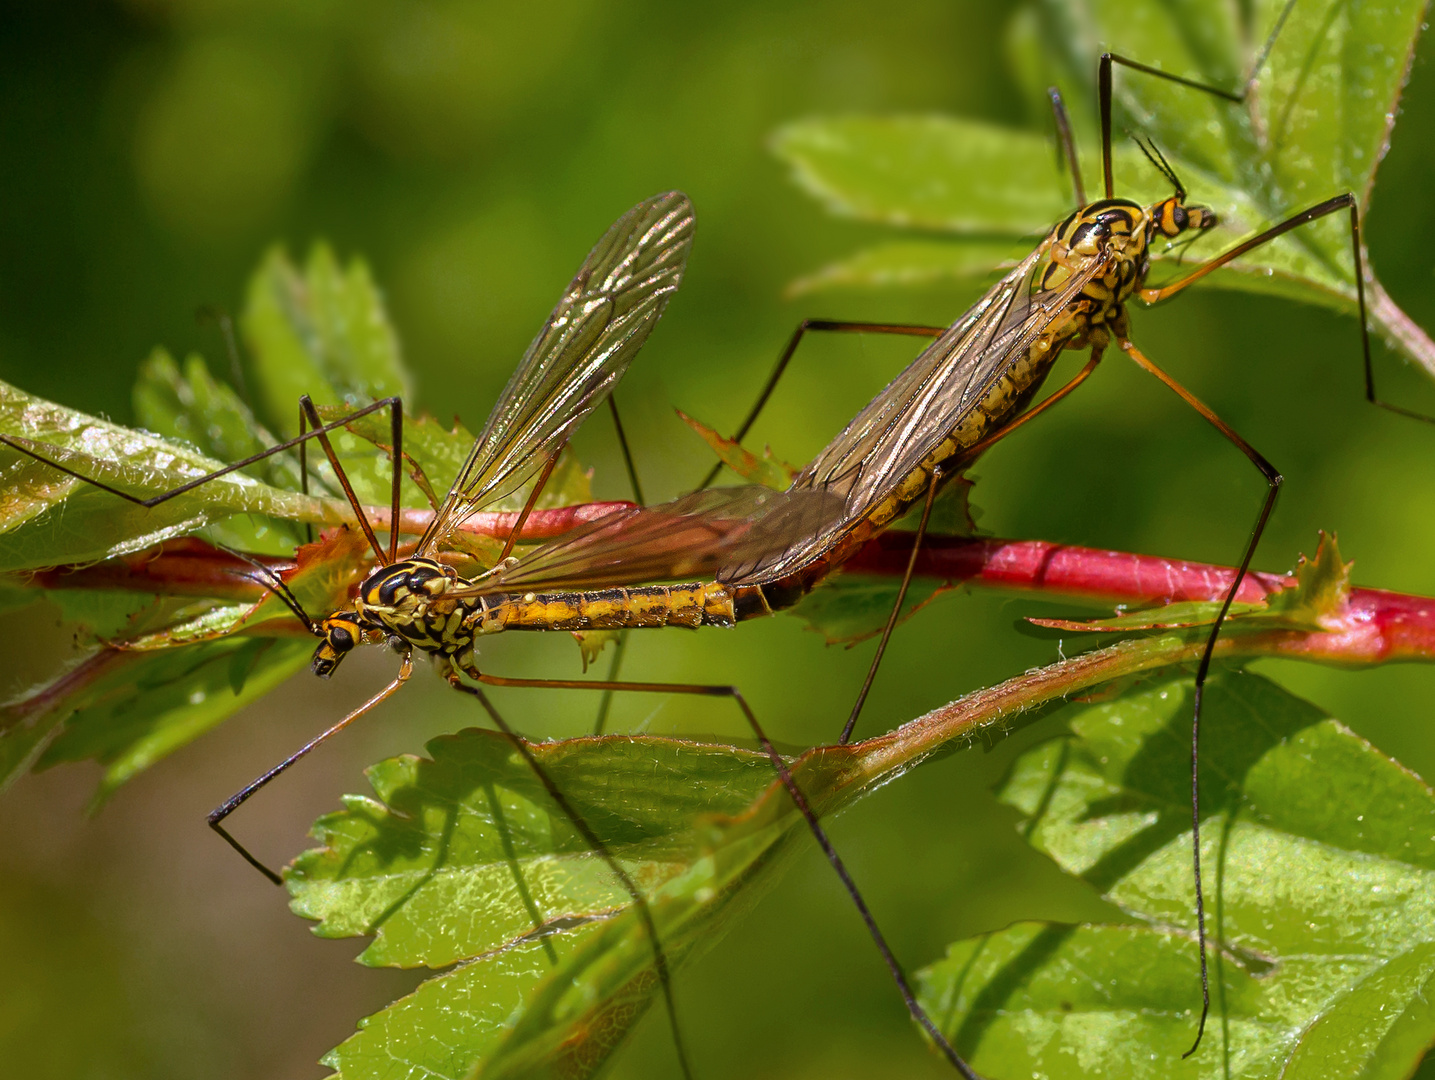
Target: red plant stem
x=189 y=566
x=1374 y=626
x=1115 y=577
x=541 y=524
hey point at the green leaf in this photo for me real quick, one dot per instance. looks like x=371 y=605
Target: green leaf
x=913 y=264
x=97 y=613
x=48 y=518
x=1322 y=589
x=851 y=608
x=1319 y=855
x=926 y=172
x=464 y=858
x=195 y=409
x=147 y=705
x=1177 y=616
x=322 y=331
x=765 y=470
x=1317 y=126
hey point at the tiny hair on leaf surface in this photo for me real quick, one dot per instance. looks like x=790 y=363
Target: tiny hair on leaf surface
x=1322 y=873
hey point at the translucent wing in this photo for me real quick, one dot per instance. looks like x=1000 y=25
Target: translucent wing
x=909 y=419
x=722 y=532
x=604 y=317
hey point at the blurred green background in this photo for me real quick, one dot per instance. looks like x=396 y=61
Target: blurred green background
x=473 y=152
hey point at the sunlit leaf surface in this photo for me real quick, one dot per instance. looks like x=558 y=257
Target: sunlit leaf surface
x=1319 y=853
x=322 y=330
x=462 y=857
x=47 y=518
x=1316 y=125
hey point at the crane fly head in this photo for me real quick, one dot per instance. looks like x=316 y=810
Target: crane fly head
x=338 y=634
x=1172 y=217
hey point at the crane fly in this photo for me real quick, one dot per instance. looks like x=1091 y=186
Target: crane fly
x=973 y=385
x=571 y=367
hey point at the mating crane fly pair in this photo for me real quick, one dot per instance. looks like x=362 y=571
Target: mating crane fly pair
x=754 y=551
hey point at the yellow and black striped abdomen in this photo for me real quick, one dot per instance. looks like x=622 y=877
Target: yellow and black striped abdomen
x=692 y=605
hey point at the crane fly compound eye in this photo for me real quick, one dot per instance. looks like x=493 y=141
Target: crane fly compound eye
x=340 y=633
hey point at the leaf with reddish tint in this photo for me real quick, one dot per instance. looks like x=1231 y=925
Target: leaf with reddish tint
x=128 y=710
x=766 y=470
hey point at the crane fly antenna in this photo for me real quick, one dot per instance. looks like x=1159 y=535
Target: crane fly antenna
x=1159 y=162
x=276 y=585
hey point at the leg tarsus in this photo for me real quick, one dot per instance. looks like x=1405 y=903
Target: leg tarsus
x=827 y=326
x=640 y=902
x=789 y=783
x=1273 y=485
x=239 y=798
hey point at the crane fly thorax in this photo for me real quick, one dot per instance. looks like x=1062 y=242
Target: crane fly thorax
x=1118 y=234
x=411 y=600
x=405 y=600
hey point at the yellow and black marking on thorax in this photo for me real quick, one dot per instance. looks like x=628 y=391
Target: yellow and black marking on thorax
x=411 y=600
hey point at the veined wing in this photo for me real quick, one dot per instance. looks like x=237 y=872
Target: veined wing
x=909 y=419
x=584 y=348
x=719 y=532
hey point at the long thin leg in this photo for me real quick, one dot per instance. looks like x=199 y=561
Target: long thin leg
x=1273 y=482
x=224 y=809
x=596 y=844
x=914 y=1007
x=932 y=486
x=320 y=431
x=1103 y=85
x=1346 y=201
x=529 y=503
x=828 y=325
x=1067 y=144
x=627 y=453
